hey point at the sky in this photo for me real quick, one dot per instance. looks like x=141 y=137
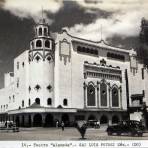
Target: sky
x=117 y=20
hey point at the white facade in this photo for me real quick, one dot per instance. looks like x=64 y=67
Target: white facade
x=69 y=78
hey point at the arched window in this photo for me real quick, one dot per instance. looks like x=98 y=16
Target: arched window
x=115 y=97
x=17 y=84
x=115 y=119
x=13 y=98
x=49 y=101
x=23 y=103
x=47 y=44
x=45 y=31
x=103 y=119
x=40 y=31
x=23 y=64
x=9 y=99
x=91 y=95
x=29 y=102
x=103 y=94
x=38 y=43
x=17 y=65
x=65 y=102
x=37 y=101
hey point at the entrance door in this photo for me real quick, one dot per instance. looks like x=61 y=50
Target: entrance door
x=65 y=119
x=17 y=121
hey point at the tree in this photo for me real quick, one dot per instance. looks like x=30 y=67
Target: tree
x=81 y=127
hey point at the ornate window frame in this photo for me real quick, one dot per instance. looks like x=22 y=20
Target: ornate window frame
x=86 y=97
x=107 y=91
x=119 y=96
x=64 y=56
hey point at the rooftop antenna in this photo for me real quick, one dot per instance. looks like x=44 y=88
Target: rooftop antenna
x=43 y=19
x=42 y=12
x=101 y=32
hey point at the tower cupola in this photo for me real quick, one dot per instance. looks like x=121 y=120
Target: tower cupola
x=42 y=38
x=42 y=29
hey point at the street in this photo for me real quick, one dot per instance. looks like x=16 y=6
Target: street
x=67 y=134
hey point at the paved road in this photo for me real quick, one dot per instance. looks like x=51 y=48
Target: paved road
x=67 y=134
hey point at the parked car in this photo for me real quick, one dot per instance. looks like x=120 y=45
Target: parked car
x=126 y=127
x=9 y=126
x=93 y=123
x=2 y=124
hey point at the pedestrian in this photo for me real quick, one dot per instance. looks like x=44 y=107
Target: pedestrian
x=62 y=125
x=57 y=124
x=6 y=124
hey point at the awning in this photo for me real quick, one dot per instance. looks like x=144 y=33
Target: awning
x=43 y=110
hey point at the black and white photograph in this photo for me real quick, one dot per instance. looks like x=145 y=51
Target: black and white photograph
x=73 y=70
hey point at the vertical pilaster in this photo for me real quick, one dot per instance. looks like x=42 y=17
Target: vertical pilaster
x=43 y=119
x=84 y=89
x=98 y=104
x=109 y=102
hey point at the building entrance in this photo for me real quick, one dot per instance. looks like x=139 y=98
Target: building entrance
x=37 y=120
x=49 y=120
x=65 y=119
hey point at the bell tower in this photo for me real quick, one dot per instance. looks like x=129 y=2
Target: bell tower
x=41 y=65
x=42 y=40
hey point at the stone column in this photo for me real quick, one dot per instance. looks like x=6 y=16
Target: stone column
x=32 y=115
x=43 y=119
x=109 y=96
x=98 y=97
x=20 y=118
x=84 y=89
x=120 y=97
x=26 y=119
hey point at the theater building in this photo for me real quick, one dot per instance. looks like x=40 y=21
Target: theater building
x=65 y=78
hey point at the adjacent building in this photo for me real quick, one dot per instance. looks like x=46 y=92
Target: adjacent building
x=65 y=78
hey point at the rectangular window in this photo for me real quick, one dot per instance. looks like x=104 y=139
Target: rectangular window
x=87 y=50
x=142 y=72
x=17 y=65
x=23 y=103
x=17 y=84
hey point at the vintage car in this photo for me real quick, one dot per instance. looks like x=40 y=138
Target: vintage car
x=131 y=128
x=93 y=124
x=8 y=126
